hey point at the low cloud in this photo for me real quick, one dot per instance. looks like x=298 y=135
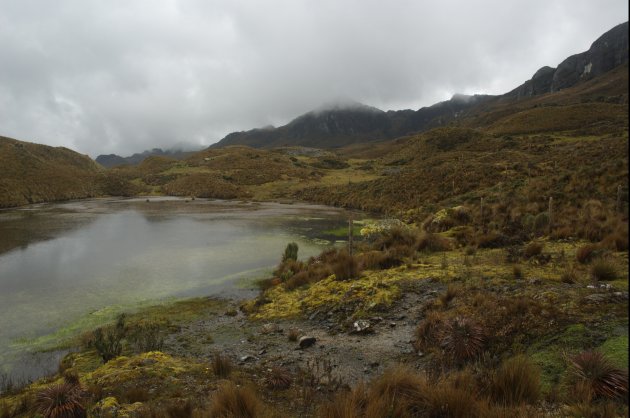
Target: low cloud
x=125 y=76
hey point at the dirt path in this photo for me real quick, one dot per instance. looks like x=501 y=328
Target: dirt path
x=352 y=356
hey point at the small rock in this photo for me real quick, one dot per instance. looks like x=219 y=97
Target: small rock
x=261 y=352
x=392 y=324
x=374 y=364
x=245 y=358
x=420 y=354
x=362 y=327
x=307 y=341
x=534 y=281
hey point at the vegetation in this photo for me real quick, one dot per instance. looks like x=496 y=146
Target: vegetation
x=506 y=223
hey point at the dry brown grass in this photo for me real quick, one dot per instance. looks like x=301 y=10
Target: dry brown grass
x=231 y=401
x=517 y=381
x=222 y=365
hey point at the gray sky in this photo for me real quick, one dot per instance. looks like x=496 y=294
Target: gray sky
x=122 y=76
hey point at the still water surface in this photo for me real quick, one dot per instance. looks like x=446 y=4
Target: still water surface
x=60 y=263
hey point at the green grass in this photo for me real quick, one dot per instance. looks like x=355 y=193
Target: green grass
x=616 y=349
x=342 y=231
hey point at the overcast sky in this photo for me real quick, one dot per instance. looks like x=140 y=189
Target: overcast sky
x=122 y=76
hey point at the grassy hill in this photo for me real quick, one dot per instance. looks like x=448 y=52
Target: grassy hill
x=32 y=173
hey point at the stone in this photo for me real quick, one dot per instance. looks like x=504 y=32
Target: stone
x=307 y=341
x=362 y=327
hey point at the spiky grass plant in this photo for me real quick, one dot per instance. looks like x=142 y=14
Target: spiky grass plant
x=603 y=269
x=221 y=365
x=599 y=374
x=61 y=400
x=517 y=381
x=462 y=339
x=233 y=401
x=400 y=391
x=279 y=378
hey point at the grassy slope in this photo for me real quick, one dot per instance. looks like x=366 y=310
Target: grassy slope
x=32 y=173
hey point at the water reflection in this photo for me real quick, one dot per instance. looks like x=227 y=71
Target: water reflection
x=68 y=260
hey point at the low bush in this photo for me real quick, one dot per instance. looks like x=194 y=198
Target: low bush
x=462 y=339
x=61 y=401
x=586 y=253
x=433 y=242
x=603 y=270
x=221 y=365
x=345 y=266
x=517 y=381
x=599 y=375
x=532 y=249
x=232 y=401
x=278 y=378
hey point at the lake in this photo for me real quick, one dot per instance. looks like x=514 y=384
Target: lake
x=66 y=265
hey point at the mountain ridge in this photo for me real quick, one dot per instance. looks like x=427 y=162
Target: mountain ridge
x=340 y=127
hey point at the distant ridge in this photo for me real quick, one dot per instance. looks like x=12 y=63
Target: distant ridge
x=113 y=160
x=338 y=125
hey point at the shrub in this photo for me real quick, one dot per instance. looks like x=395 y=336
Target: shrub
x=426 y=332
x=60 y=401
x=603 y=270
x=445 y=400
x=462 y=339
x=396 y=237
x=433 y=242
x=221 y=365
x=517 y=381
x=400 y=391
x=450 y=293
x=279 y=378
x=532 y=249
x=146 y=337
x=586 y=253
x=180 y=409
x=345 y=266
x=231 y=401
x=517 y=272
x=599 y=375
x=568 y=276
x=135 y=394
x=290 y=252
x=108 y=341
x=492 y=239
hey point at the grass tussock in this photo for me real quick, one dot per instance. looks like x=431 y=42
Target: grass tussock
x=593 y=371
x=231 y=401
x=516 y=381
x=603 y=270
x=61 y=401
x=222 y=365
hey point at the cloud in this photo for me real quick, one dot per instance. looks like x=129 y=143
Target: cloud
x=125 y=76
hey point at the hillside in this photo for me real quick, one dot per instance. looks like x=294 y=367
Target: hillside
x=113 y=160
x=33 y=173
x=339 y=126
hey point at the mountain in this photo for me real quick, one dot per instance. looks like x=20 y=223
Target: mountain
x=336 y=126
x=32 y=173
x=609 y=51
x=113 y=160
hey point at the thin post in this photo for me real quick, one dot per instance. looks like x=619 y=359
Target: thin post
x=481 y=213
x=550 y=211
x=619 y=208
x=350 y=235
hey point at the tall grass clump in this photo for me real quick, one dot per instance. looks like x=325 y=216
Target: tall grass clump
x=221 y=365
x=593 y=370
x=290 y=252
x=517 y=381
x=231 y=401
x=61 y=400
x=603 y=270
